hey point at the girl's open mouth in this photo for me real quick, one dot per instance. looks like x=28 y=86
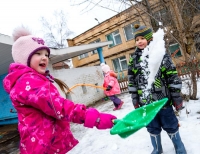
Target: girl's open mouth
x=42 y=65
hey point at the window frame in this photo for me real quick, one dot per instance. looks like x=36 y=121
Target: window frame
x=132 y=28
x=162 y=15
x=197 y=42
x=95 y=41
x=82 y=56
x=113 y=35
x=120 y=63
x=197 y=45
x=176 y=55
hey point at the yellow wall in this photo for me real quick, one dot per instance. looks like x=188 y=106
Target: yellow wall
x=117 y=22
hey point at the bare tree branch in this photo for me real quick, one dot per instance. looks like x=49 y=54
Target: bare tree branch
x=56 y=33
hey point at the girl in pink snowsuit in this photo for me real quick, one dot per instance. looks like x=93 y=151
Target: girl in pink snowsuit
x=112 y=86
x=44 y=116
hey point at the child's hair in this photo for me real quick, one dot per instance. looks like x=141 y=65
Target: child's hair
x=63 y=86
x=25 y=45
x=143 y=31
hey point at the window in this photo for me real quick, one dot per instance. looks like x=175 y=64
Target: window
x=197 y=47
x=198 y=5
x=120 y=64
x=192 y=8
x=129 y=30
x=162 y=16
x=197 y=41
x=175 y=50
x=131 y=55
x=96 y=41
x=83 y=56
x=115 y=37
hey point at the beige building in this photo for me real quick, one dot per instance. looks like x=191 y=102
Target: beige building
x=118 y=29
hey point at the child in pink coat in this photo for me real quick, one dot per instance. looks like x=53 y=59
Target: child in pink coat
x=44 y=116
x=112 y=86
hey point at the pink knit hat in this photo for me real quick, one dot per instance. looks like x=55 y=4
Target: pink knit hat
x=25 y=45
x=105 y=68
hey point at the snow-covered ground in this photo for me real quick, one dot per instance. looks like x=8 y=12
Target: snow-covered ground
x=96 y=141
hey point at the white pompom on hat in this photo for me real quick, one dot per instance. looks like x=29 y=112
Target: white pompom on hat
x=25 y=45
x=105 y=68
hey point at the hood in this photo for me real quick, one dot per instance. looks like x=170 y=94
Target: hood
x=15 y=72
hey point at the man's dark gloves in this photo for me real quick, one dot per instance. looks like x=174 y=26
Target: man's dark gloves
x=108 y=88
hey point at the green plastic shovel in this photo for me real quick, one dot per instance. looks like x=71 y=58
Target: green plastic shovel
x=137 y=119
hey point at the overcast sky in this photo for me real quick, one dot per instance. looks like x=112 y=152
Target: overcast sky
x=17 y=12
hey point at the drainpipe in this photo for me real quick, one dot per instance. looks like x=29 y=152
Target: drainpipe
x=100 y=53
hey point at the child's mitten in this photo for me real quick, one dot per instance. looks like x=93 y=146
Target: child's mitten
x=108 y=88
x=136 y=105
x=105 y=121
x=100 y=120
x=178 y=106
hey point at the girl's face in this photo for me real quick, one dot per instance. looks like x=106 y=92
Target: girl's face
x=141 y=42
x=39 y=61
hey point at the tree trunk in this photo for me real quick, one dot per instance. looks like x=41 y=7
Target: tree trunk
x=190 y=48
x=194 y=86
x=186 y=44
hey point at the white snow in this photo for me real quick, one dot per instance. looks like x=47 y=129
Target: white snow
x=96 y=141
x=155 y=51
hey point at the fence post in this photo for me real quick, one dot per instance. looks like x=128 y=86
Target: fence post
x=123 y=83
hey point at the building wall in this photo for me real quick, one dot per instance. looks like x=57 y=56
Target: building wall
x=88 y=75
x=118 y=21
x=123 y=49
x=100 y=31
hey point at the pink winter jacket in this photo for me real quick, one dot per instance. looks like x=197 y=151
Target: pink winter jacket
x=112 y=81
x=43 y=114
